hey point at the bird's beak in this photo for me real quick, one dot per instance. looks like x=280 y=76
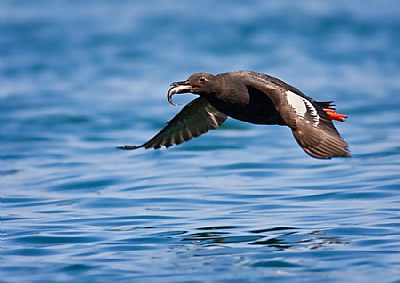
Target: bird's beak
x=178 y=87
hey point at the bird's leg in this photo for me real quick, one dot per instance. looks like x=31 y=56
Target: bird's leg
x=334 y=115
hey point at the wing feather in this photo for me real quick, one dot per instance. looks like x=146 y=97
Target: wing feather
x=195 y=119
x=314 y=131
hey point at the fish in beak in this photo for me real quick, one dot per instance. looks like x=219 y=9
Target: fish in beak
x=178 y=87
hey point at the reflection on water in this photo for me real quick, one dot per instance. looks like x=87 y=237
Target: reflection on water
x=282 y=238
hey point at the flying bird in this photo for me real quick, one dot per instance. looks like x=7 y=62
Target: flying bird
x=255 y=98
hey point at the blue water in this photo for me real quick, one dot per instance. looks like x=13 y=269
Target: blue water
x=240 y=204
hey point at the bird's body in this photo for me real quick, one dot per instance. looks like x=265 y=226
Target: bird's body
x=255 y=98
x=251 y=106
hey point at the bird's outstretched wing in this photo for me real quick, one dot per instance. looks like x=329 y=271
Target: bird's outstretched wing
x=196 y=118
x=310 y=124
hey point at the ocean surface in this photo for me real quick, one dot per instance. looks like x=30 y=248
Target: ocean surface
x=242 y=203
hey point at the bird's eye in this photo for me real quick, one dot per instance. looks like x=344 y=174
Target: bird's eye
x=203 y=80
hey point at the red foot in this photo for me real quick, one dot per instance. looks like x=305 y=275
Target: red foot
x=334 y=115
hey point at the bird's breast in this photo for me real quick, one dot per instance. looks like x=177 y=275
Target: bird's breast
x=257 y=109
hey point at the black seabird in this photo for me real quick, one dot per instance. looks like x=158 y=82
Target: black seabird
x=255 y=98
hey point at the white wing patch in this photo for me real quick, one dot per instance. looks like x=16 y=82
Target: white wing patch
x=300 y=105
x=297 y=103
x=213 y=118
x=313 y=112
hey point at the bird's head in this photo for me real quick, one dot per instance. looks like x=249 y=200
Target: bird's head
x=198 y=83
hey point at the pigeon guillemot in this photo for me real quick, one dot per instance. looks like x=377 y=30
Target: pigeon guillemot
x=255 y=98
